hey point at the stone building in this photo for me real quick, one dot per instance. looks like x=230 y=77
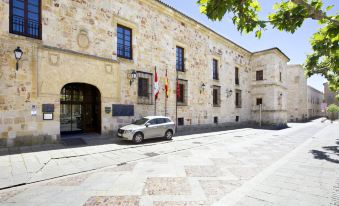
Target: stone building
x=80 y=57
x=297 y=93
x=330 y=96
x=314 y=100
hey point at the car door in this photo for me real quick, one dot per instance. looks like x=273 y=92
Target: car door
x=161 y=129
x=151 y=130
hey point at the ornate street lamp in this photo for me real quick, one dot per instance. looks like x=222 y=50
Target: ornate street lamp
x=132 y=76
x=18 y=54
x=202 y=87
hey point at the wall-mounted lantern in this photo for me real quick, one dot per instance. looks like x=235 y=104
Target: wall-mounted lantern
x=202 y=87
x=132 y=76
x=18 y=54
x=229 y=92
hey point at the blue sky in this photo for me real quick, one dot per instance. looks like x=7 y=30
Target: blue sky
x=296 y=46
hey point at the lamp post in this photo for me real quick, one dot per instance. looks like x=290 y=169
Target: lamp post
x=18 y=54
x=133 y=76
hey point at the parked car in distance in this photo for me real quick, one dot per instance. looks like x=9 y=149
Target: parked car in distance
x=147 y=128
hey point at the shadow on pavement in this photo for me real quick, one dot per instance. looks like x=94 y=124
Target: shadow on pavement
x=93 y=139
x=325 y=155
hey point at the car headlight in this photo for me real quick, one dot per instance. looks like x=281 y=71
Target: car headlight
x=129 y=131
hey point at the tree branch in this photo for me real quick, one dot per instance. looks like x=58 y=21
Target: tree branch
x=314 y=13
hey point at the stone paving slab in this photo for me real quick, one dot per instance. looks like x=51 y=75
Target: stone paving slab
x=265 y=168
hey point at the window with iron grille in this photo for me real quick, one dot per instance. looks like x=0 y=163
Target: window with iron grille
x=238 y=98
x=25 y=18
x=259 y=75
x=215 y=69
x=145 y=88
x=216 y=96
x=181 y=121
x=124 y=42
x=236 y=72
x=182 y=97
x=180 y=59
x=215 y=120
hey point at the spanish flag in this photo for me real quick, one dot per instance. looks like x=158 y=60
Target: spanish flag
x=166 y=86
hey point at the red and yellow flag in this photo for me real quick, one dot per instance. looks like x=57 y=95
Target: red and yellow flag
x=166 y=86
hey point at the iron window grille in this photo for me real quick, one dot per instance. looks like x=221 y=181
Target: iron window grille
x=25 y=18
x=259 y=101
x=124 y=42
x=216 y=96
x=236 y=75
x=259 y=75
x=238 y=98
x=181 y=121
x=182 y=99
x=215 y=69
x=145 y=88
x=180 y=59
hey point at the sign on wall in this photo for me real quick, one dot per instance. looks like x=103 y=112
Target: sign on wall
x=123 y=110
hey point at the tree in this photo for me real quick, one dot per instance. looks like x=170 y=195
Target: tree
x=333 y=109
x=288 y=16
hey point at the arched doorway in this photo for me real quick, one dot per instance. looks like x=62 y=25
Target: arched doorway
x=80 y=109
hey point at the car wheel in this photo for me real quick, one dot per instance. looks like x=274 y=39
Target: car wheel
x=138 y=138
x=168 y=135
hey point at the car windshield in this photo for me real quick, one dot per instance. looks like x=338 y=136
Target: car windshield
x=141 y=121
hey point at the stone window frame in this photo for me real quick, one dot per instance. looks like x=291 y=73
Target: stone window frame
x=125 y=28
x=215 y=69
x=26 y=21
x=180 y=60
x=236 y=75
x=179 y=43
x=216 y=90
x=259 y=75
x=183 y=101
x=237 y=100
x=145 y=99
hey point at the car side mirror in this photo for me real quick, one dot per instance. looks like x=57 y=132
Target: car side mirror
x=147 y=124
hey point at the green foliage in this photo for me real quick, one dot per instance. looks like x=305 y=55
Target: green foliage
x=332 y=108
x=287 y=16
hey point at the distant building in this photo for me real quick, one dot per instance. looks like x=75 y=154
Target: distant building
x=329 y=96
x=314 y=100
x=297 y=93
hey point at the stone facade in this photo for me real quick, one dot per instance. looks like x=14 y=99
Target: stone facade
x=79 y=45
x=314 y=100
x=330 y=96
x=297 y=93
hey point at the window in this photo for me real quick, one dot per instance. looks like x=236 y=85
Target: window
x=216 y=96
x=180 y=121
x=259 y=101
x=259 y=75
x=180 y=59
x=124 y=42
x=238 y=98
x=215 y=120
x=182 y=94
x=280 y=78
x=153 y=122
x=237 y=76
x=25 y=18
x=215 y=69
x=237 y=118
x=145 y=88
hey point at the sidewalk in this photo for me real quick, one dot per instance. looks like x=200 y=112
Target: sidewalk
x=24 y=165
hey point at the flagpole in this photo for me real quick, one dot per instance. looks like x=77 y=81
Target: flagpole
x=166 y=80
x=176 y=103
x=155 y=97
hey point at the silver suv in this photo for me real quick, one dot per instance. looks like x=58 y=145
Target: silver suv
x=147 y=128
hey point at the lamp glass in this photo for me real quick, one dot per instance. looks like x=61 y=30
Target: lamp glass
x=133 y=75
x=18 y=53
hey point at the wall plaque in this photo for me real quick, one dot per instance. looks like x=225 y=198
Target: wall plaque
x=48 y=116
x=48 y=108
x=123 y=110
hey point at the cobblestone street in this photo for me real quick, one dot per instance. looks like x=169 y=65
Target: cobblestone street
x=294 y=166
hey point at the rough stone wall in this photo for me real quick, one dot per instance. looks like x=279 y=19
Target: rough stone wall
x=78 y=44
x=272 y=91
x=297 y=93
x=314 y=100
